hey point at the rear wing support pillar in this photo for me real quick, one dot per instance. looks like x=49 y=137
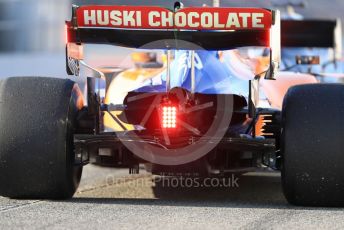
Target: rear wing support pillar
x=168 y=71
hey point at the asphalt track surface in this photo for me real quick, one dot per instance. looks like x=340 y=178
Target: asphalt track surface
x=111 y=199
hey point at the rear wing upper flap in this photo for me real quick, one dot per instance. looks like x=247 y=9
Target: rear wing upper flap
x=190 y=18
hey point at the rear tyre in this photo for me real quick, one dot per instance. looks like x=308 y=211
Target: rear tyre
x=37 y=120
x=312 y=145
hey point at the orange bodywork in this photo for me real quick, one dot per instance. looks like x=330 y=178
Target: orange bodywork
x=119 y=88
x=276 y=90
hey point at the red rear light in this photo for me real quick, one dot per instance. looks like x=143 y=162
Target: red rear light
x=169 y=117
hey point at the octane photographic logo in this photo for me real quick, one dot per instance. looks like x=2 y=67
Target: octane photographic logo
x=164 y=181
x=157 y=151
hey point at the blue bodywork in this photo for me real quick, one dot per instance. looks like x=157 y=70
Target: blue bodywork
x=212 y=75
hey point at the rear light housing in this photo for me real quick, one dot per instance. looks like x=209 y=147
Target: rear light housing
x=168 y=116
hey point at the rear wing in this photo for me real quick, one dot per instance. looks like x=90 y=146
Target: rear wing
x=312 y=34
x=160 y=28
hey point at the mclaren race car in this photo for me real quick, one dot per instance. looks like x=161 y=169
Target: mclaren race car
x=190 y=102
